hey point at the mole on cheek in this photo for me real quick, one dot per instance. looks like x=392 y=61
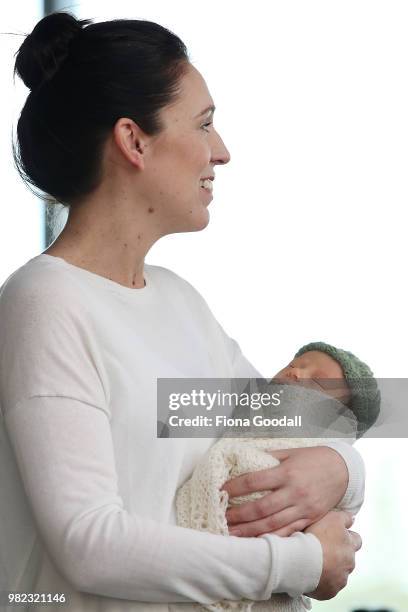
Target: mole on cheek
x=150 y=209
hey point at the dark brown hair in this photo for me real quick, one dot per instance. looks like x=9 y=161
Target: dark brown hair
x=83 y=77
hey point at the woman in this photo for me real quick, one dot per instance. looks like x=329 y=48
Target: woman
x=118 y=126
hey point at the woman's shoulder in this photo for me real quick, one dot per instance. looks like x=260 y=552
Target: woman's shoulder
x=165 y=274
x=45 y=283
x=169 y=279
x=35 y=282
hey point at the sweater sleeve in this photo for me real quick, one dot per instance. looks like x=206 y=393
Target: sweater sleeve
x=354 y=495
x=65 y=455
x=56 y=404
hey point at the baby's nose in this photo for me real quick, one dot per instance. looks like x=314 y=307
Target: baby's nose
x=293 y=373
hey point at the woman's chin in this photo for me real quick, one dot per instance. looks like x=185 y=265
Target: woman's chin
x=198 y=220
x=194 y=220
x=203 y=221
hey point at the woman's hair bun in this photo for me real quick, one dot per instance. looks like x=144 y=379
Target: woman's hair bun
x=45 y=49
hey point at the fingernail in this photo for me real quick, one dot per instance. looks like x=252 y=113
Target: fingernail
x=235 y=532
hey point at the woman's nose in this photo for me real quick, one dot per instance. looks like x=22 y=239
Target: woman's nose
x=220 y=153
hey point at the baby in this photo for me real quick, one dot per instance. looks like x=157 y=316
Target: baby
x=336 y=394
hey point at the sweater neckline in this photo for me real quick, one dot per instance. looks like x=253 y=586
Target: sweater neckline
x=99 y=280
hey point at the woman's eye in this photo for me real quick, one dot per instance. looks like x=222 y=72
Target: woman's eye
x=206 y=125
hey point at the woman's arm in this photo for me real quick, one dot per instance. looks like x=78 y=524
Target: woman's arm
x=353 y=497
x=65 y=455
x=55 y=402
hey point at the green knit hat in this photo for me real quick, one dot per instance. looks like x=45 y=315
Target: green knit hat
x=365 y=395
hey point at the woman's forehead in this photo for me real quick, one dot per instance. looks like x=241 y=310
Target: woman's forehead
x=194 y=98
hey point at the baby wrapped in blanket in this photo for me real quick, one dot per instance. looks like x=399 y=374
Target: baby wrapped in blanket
x=337 y=397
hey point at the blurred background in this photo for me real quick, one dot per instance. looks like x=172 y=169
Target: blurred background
x=307 y=238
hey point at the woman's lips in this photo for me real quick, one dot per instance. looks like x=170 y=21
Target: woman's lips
x=207 y=185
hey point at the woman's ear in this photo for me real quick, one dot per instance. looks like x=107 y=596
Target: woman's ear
x=131 y=141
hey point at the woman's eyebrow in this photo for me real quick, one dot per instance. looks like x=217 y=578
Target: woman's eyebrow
x=205 y=111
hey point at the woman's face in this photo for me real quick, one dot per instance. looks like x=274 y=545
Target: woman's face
x=182 y=158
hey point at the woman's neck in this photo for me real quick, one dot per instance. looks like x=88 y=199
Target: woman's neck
x=113 y=245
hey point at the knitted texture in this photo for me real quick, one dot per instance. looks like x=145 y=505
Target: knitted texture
x=365 y=395
x=201 y=505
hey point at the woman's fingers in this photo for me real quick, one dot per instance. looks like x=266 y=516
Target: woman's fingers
x=356 y=540
x=270 y=504
x=269 y=524
x=282 y=454
x=307 y=480
x=347 y=518
x=263 y=480
x=292 y=528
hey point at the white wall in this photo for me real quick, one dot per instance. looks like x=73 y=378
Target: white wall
x=306 y=238
x=21 y=215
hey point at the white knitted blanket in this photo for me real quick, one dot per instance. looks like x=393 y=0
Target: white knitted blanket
x=201 y=505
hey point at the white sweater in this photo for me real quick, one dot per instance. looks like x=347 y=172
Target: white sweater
x=79 y=359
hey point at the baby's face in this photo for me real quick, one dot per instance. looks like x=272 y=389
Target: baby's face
x=317 y=370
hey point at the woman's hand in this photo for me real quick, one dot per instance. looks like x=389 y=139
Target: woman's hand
x=303 y=488
x=339 y=546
